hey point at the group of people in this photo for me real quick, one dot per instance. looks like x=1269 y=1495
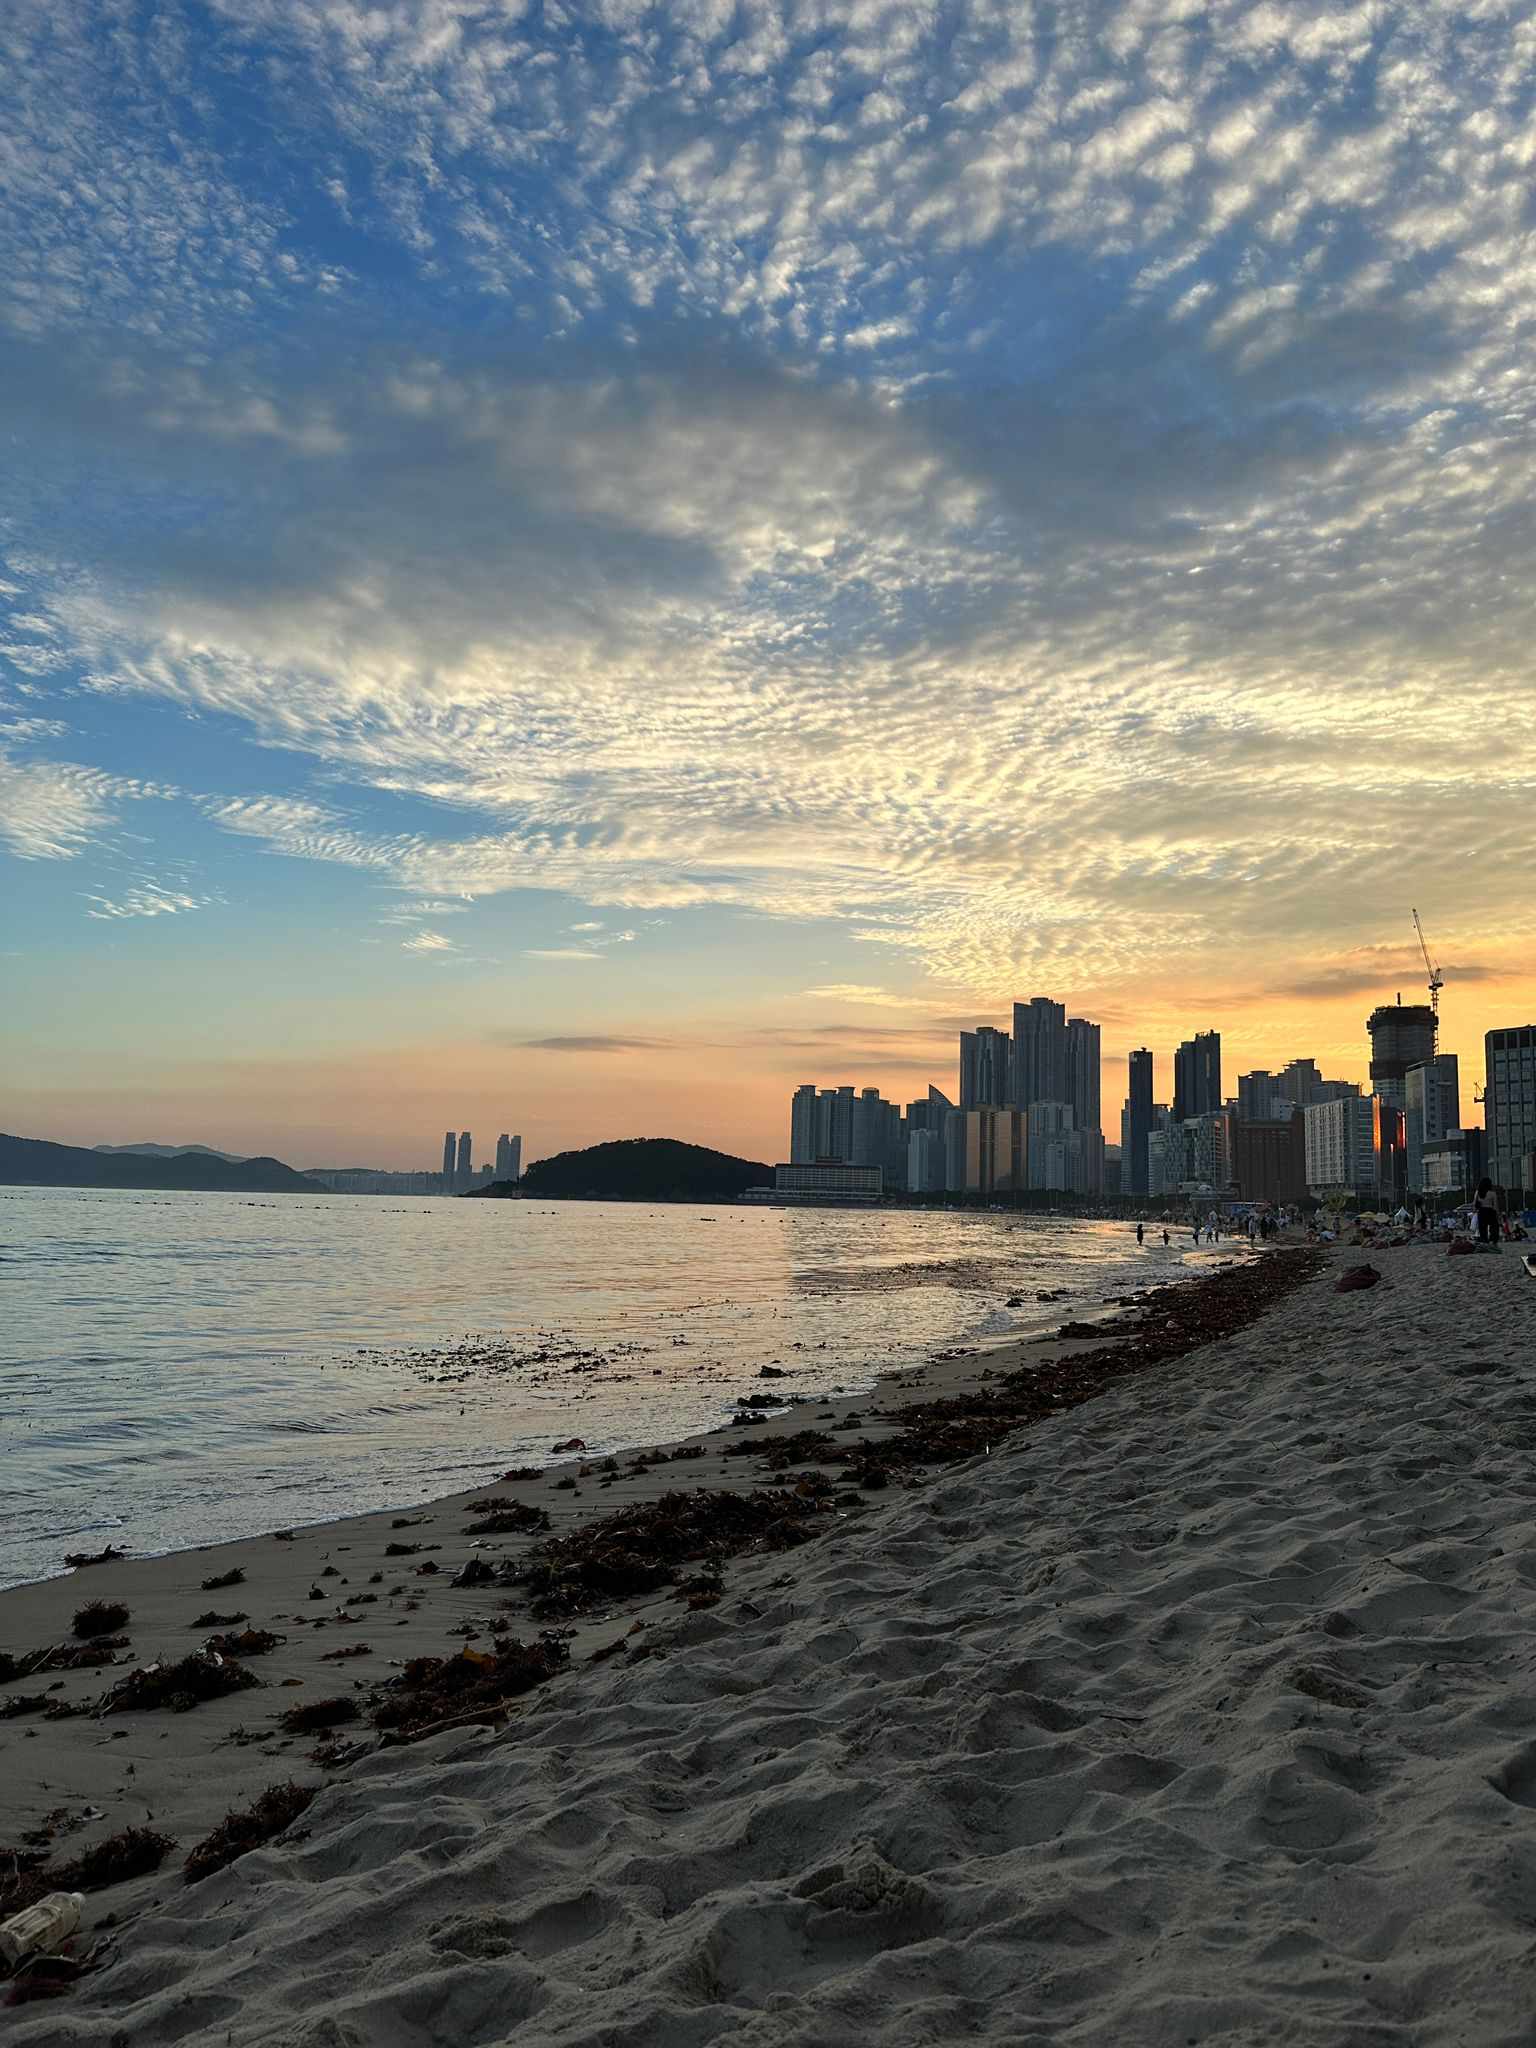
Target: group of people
x=1251 y=1226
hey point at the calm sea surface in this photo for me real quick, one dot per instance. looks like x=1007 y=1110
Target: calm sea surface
x=180 y=1368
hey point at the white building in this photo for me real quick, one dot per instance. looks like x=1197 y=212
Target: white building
x=1432 y=1107
x=1343 y=1145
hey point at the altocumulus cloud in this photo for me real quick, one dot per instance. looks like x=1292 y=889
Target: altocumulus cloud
x=1019 y=494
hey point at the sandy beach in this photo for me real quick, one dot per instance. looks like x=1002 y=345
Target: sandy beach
x=1202 y=1711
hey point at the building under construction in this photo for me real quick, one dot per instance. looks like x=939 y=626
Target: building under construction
x=1403 y=1035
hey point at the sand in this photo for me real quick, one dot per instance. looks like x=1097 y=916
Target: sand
x=1204 y=1712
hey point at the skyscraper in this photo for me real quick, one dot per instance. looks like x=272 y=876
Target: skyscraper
x=1431 y=1110
x=1039 y=1052
x=1510 y=1108
x=466 y=1167
x=1402 y=1036
x=449 y=1146
x=1084 y=1090
x=509 y=1158
x=986 y=1059
x=1197 y=1076
x=1138 y=1123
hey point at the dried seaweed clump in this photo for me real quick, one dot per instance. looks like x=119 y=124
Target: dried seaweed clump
x=270 y=1814
x=179 y=1686
x=100 y=1618
x=431 y=1691
x=314 y=1715
x=505 y=1518
x=641 y=1548
x=25 y=1877
x=233 y=1577
x=245 y=1642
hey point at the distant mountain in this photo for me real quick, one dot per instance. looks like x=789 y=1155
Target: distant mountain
x=170 y=1152
x=33 y=1162
x=637 y=1170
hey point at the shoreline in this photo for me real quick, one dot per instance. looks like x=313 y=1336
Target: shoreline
x=1200 y=1712
x=77 y=1781
x=858 y=1384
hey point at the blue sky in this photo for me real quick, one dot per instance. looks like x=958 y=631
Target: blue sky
x=740 y=535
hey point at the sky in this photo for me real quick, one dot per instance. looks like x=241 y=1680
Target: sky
x=566 y=569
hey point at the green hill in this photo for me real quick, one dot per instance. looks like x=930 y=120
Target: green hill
x=33 y=1162
x=638 y=1170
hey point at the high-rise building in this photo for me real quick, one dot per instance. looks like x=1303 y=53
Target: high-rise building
x=1257 y=1094
x=1509 y=1107
x=1269 y=1157
x=925 y=1160
x=986 y=1152
x=1137 y=1127
x=509 y=1157
x=1431 y=1108
x=1084 y=1076
x=821 y=1125
x=1197 y=1077
x=1344 y=1145
x=450 y=1152
x=465 y=1171
x=1039 y=1052
x=985 y=1068
x=1402 y=1036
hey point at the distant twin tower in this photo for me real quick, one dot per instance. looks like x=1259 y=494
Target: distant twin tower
x=458 y=1162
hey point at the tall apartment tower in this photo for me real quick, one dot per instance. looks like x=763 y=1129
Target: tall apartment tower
x=1197 y=1077
x=1431 y=1110
x=986 y=1063
x=450 y=1145
x=466 y=1171
x=1084 y=1077
x=1138 y=1122
x=509 y=1158
x=1039 y=1052
x=1402 y=1036
x=1509 y=1110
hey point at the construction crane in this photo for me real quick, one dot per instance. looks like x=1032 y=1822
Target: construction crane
x=1436 y=979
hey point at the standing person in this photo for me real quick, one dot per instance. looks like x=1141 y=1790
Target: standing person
x=1165 y=1237
x=1485 y=1206
x=1195 y=1226
x=1140 y=1233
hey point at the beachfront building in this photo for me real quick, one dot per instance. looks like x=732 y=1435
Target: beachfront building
x=1355 y=1146
x=1510 y=1107
x=925 y=1161
x=1269 y=1157
x=986 y=1152
x=1403 y=1035
x=1197 y=1077
x=1136 y=1124
x=828 y=1180
x=1431 y=1107
x=450 y=1154
x=986 y=1068
x=1197 y=1155
x=1084 y=1092
x=1039 y=1053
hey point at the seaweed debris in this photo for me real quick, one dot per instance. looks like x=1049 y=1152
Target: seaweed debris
x=25 y=1877
x=179 y=1686
x=444 y=1692
x=639 y=1549
x=60 y=1657
x=100 y=1618
x=234 y=1577
x=314 y=1715
x=249 y=1642
x=267 y=1816
x=210 y=1618
x=80 y=1558
x=1178 y=1320
x=505 y=1518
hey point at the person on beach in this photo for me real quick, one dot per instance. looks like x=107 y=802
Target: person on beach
x=1165 y=1237
x=1140 y=1234
x=1195 y=1226
x=1485 y=1206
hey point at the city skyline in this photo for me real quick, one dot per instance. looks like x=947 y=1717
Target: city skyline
x=612 y=558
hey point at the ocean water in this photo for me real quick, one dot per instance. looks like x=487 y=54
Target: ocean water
x=182 y=1368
